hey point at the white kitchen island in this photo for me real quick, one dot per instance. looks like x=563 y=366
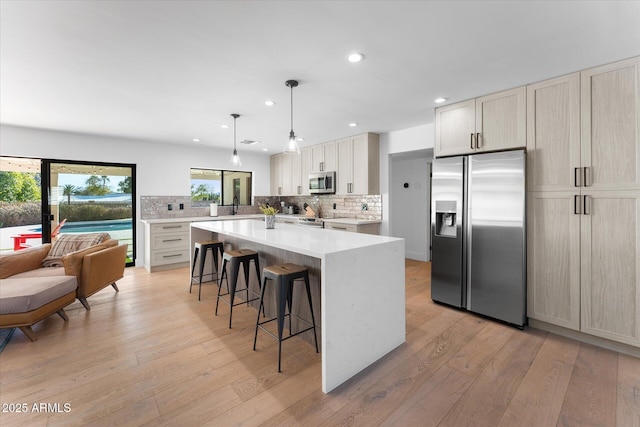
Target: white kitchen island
x=361 y=281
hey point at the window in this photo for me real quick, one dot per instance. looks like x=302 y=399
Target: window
x=220 y=186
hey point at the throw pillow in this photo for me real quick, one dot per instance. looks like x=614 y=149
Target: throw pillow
x=67 y=243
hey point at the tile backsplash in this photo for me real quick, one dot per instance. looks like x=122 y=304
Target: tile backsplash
x=361 y=207
x=157 y=207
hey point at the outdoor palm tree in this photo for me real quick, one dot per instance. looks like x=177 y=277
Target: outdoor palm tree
x=69 y=190
x=105 y=179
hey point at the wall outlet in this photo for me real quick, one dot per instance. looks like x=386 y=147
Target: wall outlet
x=365 y=207
x=181 y=206
x=170 y=206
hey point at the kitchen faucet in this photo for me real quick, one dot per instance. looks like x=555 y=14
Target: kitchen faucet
x=235 y=206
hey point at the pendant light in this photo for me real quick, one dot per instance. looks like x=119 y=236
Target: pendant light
x=292 y=145
x=235 y=159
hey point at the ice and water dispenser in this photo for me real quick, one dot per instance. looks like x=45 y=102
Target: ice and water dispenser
x=446 y=218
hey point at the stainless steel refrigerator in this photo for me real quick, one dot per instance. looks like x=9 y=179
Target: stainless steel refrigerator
x=478 y=232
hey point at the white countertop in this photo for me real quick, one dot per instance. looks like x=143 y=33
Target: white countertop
x=201 y=218
x=310 y=241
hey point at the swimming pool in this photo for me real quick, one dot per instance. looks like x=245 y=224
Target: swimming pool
x=92 y=226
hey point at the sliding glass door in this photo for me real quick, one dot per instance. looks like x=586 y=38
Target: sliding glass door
x=86 y=197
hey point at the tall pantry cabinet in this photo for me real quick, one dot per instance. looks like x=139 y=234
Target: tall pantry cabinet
x=583 y=153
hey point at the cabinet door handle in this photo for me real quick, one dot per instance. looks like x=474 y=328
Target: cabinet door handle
x=586 y=173
x=577 y=177
x=477 y=140
x=171 y=226
x=576 y=205
x=586 y=204
x=171 y=240
x=171 y=256
x=472 y=140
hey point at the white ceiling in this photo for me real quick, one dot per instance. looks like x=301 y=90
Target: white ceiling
x=171 y=71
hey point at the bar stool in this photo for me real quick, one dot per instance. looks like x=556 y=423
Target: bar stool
x=235 y=258
x=284 y=276
x=215 y=246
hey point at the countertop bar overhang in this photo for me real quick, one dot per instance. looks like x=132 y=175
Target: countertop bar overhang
x=362 y=288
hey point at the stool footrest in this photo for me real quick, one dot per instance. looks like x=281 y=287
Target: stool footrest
x=238 y=303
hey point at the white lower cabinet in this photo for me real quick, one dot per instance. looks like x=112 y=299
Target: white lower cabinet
x=166 y=245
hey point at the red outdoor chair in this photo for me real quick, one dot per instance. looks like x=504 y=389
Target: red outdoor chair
x=20 y=241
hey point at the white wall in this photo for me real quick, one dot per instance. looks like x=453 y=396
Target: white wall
x=413 y=140
x=161 y=169
x=410 y=208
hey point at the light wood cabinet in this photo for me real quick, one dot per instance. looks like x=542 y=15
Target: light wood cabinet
x=584 y=207
x=166 y=245
x=305 y=169
x=610 y=151
x=324 y=157
x=490 y=123
x=358 y=164
x=553 y=134
x=553 y=257
x=610 y=265
x=286 y=174
x=276 y=174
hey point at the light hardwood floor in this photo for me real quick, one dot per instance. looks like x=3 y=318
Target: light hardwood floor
x=154 y=355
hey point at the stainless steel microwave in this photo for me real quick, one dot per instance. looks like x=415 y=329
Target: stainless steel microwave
x=322 y=183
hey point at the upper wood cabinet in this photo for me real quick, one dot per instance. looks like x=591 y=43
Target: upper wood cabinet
x=324 y=157
x=286 y=175
x=358 y=164
x=553 y=134
x=305 y=169
x=490 y=123
x=610 y=149
x=582 y=130
x=276 y=174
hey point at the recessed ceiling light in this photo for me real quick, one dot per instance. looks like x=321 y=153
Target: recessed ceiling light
x=265 y=149
x=439 y=100
x=269 y=103
x=355 y=57
x=224 y=126
x=196 y=140
x=353 y=124
x=300 y=139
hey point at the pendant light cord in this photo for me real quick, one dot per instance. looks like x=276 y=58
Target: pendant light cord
x=292 y=108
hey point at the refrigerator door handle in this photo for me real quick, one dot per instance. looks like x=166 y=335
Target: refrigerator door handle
x=576 y=205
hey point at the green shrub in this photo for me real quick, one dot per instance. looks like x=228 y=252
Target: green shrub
x=94 y=212
x=15 y=214
x=28 y=213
